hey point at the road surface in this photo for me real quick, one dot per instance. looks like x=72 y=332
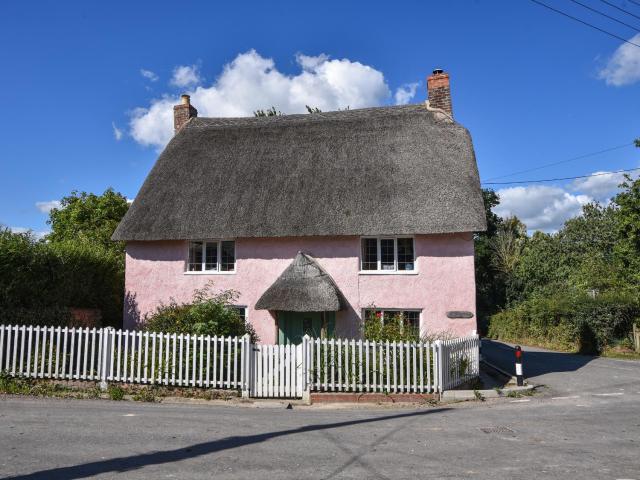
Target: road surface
x=588 y=427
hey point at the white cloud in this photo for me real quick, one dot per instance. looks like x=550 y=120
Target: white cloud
x=252 y=82
x=149 y=75
x=540 y=207
x=623 y=68
x=36 y=234
x=405 y=93
x=45 y=207
x=600 y=187
x=117 y=133
x=185 y=76
x=546 y=208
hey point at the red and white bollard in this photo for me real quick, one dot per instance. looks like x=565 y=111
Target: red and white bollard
x=519 y=378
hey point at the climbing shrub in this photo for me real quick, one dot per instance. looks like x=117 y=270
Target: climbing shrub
x=208 y=313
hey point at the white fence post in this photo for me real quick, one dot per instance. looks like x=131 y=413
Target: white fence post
x=246 y=366
x=306 y=373
x=437 y=366
x=107 y=354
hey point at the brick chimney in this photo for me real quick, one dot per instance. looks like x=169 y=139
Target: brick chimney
x=183 y=112
x=439 y=91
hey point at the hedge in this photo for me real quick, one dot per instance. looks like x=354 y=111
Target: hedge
x=567 y=322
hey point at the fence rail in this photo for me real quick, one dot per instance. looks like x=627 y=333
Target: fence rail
x=324 y=365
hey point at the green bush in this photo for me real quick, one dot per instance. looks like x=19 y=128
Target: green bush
x=52 y=316
x=393 y=329
x=40 y=279
x=208 y=314
x=145 y=394
x=115 y=392
x=567 y=321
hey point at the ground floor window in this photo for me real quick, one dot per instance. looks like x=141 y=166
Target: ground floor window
x=242 y=311
x=410 y=318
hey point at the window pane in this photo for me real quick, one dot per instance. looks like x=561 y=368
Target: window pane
x=241 y=312
x=405 y=254
x=411 y=318
x=211 y=256
x=369 y=254
x=370 y=314
x=195 y=256
x=386 y=254
x=228 y=256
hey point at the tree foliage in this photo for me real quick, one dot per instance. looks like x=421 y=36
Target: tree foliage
x=580 y=285
x=76 y=265
x=87 y=217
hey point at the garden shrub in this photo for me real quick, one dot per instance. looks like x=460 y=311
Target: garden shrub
x=208 y=313
x=393 y=329
x=115 y=392
x=40 y=280
x=567 y=321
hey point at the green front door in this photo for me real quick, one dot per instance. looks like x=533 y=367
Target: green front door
x=292 y=326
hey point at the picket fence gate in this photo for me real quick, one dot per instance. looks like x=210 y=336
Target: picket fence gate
x=270 y=371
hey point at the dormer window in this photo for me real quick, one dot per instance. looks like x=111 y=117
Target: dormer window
x=387 y=254
x=212 y=256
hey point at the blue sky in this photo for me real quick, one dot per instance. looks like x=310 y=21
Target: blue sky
x=86 y=86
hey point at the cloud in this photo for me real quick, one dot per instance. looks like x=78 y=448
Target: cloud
x=546 y=208
x=149 y=75
x=540 y=207
x=117 y=133
x=46 y=207
x=252 y=82
x=185 y=76
x=38 y=235
x=623 y=68
x=405 y=93
x=600 y=187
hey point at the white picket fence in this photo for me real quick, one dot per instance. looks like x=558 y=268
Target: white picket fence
x=123 y=356
x=338 y=365
x=286 y=371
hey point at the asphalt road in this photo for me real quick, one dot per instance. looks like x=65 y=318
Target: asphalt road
x=567 y=374
x=591 y=433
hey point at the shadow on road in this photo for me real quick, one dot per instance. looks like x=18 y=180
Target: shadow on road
x=133 y=462
x=535 y=363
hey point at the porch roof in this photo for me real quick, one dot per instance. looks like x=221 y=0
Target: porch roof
x=304 y=286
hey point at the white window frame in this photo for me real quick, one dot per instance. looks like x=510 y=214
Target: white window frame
x=395 y=270
x=218 y=260
x=393 y=310
x=246 y=311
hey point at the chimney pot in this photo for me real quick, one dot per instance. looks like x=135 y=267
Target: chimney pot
x=183 y=112
x=439 y=91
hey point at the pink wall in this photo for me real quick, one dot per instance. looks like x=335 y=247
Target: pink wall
x=445 y=279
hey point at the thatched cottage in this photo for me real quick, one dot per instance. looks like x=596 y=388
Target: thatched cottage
x=313 y=218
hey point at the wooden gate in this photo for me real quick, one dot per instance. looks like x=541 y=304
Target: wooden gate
x=276 y=371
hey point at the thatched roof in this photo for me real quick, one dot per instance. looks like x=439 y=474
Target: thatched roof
x=303 y=287
x=375 y=171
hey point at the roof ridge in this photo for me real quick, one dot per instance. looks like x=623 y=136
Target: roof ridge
x=334 y=115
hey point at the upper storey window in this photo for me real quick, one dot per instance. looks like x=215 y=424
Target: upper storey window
x=387 y=254
x=211 y=256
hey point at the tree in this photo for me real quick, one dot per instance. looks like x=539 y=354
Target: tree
x=88 y=217
x=627 y=249
x=490 y=292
